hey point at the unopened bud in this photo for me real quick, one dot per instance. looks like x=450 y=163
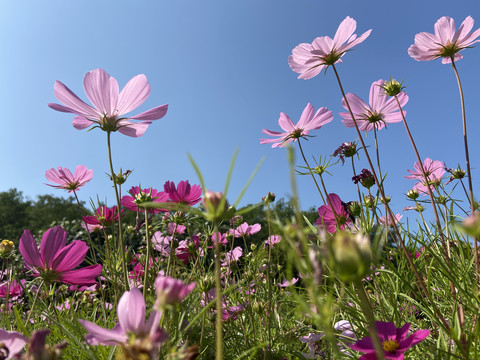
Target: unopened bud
x=393 y=87
x=269 y=198
x=354 y=208
x=6 y=248
x=412 y=194
x=387 y=199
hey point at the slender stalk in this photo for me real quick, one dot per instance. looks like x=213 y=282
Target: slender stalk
x=147 y=262
x=120 y=232
x=92 y=249
x=359 y=194
x=218 y=289
x=310 y=171
x=34 y=302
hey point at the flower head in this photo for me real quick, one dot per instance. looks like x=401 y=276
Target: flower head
x=379 y=111
x=56 y=261
x=434 y=170
x=272 y=240
x=109 y=103
x=131 y=332
x=140 y=196
x=446 y=43
x=13 y=290
x=394 y=341
x=104 y=216
x=171 y=291
x=11 y=343
x=347 y=149
x=310 y=59
x=333 y=220
x=184 y=193
x=245 y=230
x=65 y=180
x=308 y=121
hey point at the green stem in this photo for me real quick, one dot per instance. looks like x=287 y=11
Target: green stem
x=147 y=262
x=218 y=289
x=310 y=171
x=34 y=302
x=119 y=209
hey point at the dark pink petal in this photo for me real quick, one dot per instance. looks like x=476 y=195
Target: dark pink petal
x=133 y=94
x=152 y=114
x=80 y=122
x=386 y=330
x=70 y=256
x=131 y=311
x=102 y=91
x=53 y=240
x=29 y=250
x=363 y=345
x=72 y=101
x=83 y=276
x=413 y=339
x=100 y=336
x=403 y=331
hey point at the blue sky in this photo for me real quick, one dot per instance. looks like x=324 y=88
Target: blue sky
x=222 y=68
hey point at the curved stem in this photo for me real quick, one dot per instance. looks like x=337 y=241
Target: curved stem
x=120 y=232
x=311 y=173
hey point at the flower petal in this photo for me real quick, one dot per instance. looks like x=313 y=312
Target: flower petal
x=53 y=240
x=133 y=94
x=101 y=90
x=84 y=276
x=71 y=101
x=131 y=311
x=70 y=256
x=133 y=129
x=152 y=114
x=81 y=122
x=98 y=335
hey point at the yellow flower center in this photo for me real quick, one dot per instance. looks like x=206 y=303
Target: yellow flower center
x=390 y=345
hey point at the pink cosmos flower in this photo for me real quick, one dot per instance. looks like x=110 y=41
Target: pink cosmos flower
x=56 y=261
x=245 y=230
x=140 y=196
x=383 y=220
x=171 y=291
x=131 y=322
x=65 y=180
x=229 y=312
x=13 y=290
x=272 y=240
x=13 y=341
x=394 y=341
x=184 y=193
x=327 y=218
x=308 y=121
x=162 y=243
x=104 y=216
x=109 y=104
x=434 y=169
x=232 y=256
x=287 y=283
x=218 y=236
x=446 y=42
x=174 y=228
x=309 y=60
x=378 y=113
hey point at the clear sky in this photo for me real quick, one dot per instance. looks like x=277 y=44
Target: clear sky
x=222 y=68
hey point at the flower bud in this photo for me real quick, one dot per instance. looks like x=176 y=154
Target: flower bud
x=370 y=201
x=350 y=255
x=216 y=205
x=412 y=194
x=393 y=87
x=387 y=199
x=6 y=248
x=269 y=198
x=354 y=208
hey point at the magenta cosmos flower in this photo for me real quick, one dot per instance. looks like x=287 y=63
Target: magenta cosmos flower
x=379 y=111
x=333 y=221
x=68 y=181
x=308 y=121
x=56 y=261
x=309 y=59
x=446 y=42
x=171 y=291
x=13 y=341
x=140 y=196
x=131 y=330
x=434 y=169
x=104 y=216
x=109 y=104
x=184 y=193
x=394 y=341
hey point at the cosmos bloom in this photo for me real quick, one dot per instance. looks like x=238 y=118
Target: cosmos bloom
x=434 y=169
x=446 y=43
x=308 y=121
x=104 y=216
x=140 y=196
x=232 y=256
x=13 y=341
x=327 y=218
x=287 y=283
x=13 y=290
x=309 y=60
x=394 y=341
x=272 y=240
x=245 y=230
x=109 y=104
x=131 y=330
x=65 y=180
x=56 y=261
x=379 y=112
x=184 y=193
x=171 y=291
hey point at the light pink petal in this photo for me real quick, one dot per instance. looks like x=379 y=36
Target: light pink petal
x=311 y=72
x=469 y=39
x=357 y=105
x=322 y=45
x=133 y=129
x=80 y=122
x=98 y=335
x=152 y=114
x=306 y=117
x=14 y=342
x=29 y=250
x=377 y=97
x=151 y=326
x=71 y=101
x=133 y=94
x=84 y=276
x=70 y=256
x=392 y=106
x=354 y=41
x=101 y=90
x=53 y=176
x=285 y=123
x=83 y=174
x=344 y=31
x=322 y=116
x=463 y=30
x=131 y=311
x=445 y=29
x=274 y=133
x=53 y=240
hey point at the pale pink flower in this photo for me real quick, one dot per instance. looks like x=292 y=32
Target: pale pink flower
x=232 y=256
x=109 y=104
x=272 y=240
x=382 y=220
x=287 y=283
x=310 y=59
x=446 y=42
x=13 y=341
x=308 y=121
x=332 y=221
x=221 y=238
x=174 y=228
x=434 y=169
x=171 y=291
x=68 y=181
x=131 y=321
x=245 y=230
x=379 y=112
